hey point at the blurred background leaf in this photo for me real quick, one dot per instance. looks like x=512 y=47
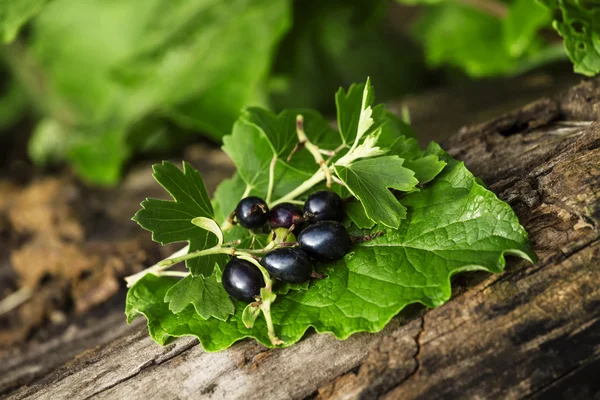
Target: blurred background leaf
x=578 y=22
x=14 y=14
x=102 y=81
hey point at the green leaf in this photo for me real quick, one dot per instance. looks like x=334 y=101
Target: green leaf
x=14 y=14
x=146 y=298
x=454 y=224
x=280 y=130
x=425 y=168
x=259 y=135
x=578 y=22
x=369 y=180
x=464 y=37
x=355 y=116
x=285 y=287
x=210 y=58
x=206 y=294
x=525 y=18
x=171 y=221
x=196 y=63
x=226 y=197
x=356 y=212
x=252 y=154
x=395 y=126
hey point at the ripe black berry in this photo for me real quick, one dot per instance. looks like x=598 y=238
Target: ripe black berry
x=242 y=280
x=285 y=215
x=252 y=212
x=324 y=205
x=325 y=240
x=288 y=264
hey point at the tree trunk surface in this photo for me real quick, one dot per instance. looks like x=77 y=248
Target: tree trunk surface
x=532 y=331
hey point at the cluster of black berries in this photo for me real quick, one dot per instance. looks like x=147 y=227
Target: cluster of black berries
x=324 y=239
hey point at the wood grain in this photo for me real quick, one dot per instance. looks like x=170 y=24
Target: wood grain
x=533 y=331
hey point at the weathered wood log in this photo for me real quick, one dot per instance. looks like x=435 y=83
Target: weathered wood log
x=533 y=331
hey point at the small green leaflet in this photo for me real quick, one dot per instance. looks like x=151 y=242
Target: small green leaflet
x=171 y=221
x=354 y=111
x=369 y=180
x=453 y=224
x=249 y=315
x=206 y=294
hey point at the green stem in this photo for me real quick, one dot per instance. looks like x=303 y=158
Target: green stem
x=180 y=274
x=306 y=185
x=265 y=307
x=267 y=298
x=313 y=149
x=247 y=191
x=198 y=253
x=271 y=178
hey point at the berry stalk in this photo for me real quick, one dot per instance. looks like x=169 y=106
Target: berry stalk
x=267 y=297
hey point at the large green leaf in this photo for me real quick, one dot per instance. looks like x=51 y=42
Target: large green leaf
x=454 y=224
x=108 y=65
x=205 y=60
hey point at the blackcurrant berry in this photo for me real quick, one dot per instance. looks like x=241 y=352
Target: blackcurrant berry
x=242 y=280
x=325 y=240
x=324 y=205
x=252 y=212
x=285 y=215
x=288 y=264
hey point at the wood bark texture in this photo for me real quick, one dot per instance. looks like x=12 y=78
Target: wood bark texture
x=533 y=331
